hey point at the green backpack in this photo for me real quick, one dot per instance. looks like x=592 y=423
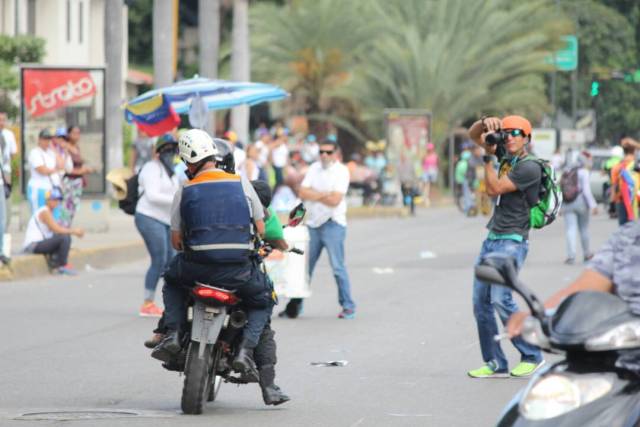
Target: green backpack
x=550 y=197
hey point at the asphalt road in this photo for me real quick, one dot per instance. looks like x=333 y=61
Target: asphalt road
x=75 y=344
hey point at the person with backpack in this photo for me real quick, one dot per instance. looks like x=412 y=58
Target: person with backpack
x=517 y=186
x=157 y=184
x=578 y=204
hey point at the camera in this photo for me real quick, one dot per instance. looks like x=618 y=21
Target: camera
x=496 y=138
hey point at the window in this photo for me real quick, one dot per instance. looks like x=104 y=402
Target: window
x=80 y=21
x=68 y=21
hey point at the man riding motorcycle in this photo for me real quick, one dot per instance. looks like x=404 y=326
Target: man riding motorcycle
x=214 y=221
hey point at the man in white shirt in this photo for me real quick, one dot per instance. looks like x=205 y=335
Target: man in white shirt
x=323 y=190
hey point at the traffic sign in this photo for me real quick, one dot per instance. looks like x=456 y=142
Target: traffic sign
x=565 y=59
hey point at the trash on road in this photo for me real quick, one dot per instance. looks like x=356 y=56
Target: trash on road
x=428 y=255
x=331 y=363
x=385 y=270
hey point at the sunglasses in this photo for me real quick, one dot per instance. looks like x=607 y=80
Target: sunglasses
x=515 y=132
x=327 y=152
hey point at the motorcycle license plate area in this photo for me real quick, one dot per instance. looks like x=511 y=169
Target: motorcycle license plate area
x=207 y=322
x=288 y=271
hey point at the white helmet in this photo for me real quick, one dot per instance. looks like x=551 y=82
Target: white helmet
x=195 y=145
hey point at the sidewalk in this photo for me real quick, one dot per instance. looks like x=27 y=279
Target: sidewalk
x=121 y=243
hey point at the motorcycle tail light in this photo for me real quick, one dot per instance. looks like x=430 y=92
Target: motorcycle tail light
x=217 y=294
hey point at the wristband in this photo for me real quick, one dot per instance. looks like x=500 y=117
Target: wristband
x=484 y=127
x=489 y=158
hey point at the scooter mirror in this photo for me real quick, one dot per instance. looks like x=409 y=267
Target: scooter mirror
x=297 y=215
x=501 y=270
x=489 y=274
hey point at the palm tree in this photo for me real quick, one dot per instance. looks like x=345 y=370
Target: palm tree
x=458 y=58
x=309 y=47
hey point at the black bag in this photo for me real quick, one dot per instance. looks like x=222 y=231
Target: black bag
x=128 y=204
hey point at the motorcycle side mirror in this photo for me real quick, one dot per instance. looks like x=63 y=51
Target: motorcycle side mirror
x=501 y=270
x=489 y=274
x=297 y=215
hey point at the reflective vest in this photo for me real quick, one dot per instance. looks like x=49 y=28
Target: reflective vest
x=216 y=218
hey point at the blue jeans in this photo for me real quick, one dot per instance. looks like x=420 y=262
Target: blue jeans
x=623 y=218
x=488 y=298
x=576 y=217
x=331 y=235
x=157 y=239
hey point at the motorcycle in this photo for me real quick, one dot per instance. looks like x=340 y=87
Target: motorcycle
x=214 y=331
x=597 y=383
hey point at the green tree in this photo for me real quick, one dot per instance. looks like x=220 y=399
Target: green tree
x=458 y=59
x=140 y=34
x=607 y=42
x=13 y=51
x=310 y=48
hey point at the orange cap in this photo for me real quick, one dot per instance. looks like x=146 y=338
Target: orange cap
x=517 y=122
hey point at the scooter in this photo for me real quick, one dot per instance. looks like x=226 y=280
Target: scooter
x=215 y=325
x=598 y=381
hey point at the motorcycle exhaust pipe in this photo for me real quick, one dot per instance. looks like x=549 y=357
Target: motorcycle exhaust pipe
x=237 y=321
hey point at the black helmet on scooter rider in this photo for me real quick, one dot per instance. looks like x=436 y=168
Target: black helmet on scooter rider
x=224 y=158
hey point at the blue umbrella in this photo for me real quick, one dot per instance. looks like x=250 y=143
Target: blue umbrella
x=196 y=95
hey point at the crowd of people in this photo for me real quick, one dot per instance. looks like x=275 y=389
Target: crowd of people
x=274 y=157
x=57 y=176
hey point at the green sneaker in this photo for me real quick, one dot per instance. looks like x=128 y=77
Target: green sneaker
x=525 y=369
x=487 y=371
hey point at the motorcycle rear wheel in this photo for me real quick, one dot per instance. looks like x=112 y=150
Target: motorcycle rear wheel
x=214 y=385
x=197 y=378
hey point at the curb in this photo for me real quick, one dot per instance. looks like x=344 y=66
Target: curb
x=27 y=266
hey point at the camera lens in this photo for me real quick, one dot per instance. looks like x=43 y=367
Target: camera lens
x=495 y=138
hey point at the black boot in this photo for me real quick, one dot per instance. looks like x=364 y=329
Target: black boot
x=271 y=393
x=245 y=364
x=292 y=310
x=168 y=348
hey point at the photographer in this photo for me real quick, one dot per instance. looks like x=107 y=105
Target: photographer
x=516 y=186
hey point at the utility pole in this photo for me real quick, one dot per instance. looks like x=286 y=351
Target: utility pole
x=113 y=48
x=209 y=40
x=240 y=64
x=163 y=43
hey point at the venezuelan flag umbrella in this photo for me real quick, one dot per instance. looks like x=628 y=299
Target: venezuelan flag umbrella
x=156 y=112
